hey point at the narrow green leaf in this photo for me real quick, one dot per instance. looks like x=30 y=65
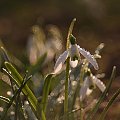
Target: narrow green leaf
x=46 y=88
x=70 y=32
x=6 y=58
x=5 y=55
x=5 y=99
x=14 y=96
x=43 y=116
x=109 y=105
x=94 y=110
x=18 y=80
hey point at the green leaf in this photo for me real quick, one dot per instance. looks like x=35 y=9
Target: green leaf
x=13 y=98
x=5 y=99
x=18 y=80
x=46 y=88
x=70 y=32
x=4 y=53
x=109 y=104
x=10 y=58
x=43 y=116
x=94 y=110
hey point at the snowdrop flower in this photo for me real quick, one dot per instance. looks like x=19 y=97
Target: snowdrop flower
x=74 y=52
x=85 y=88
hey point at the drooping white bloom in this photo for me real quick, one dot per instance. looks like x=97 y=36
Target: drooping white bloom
x=84 y=88
x=98 y=83
x=89 y=80
x=74 y=52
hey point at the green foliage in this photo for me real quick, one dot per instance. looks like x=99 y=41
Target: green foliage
x=45 y=94
x=18 y=80
x=94 y=110
x=103 y=114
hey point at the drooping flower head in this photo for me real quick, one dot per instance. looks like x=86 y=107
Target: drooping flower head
x=89 y=81
x=74 y=52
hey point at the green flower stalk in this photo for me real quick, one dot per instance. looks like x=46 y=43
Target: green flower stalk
x=68 y=67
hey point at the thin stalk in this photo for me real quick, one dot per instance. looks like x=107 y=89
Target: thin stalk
x=26 y=90
x=68 y=66
x=16 y=108
x=81 y=113
x=96 y=107
x=102 y=117
x=66 y=85
x=4 y=99
x=13 y=98
x=82 y=72
x=46 y=89
x=43 y=115
x=6 y=58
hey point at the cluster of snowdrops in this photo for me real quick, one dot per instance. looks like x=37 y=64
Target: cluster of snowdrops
x=62 y=94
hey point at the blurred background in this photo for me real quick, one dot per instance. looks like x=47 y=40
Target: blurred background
x=98 y=21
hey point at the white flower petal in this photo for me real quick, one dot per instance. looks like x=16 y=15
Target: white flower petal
x=60 y=61
x=84 y=87
x=73 y=63
x=89 y=57
x=89 y=91
x=99 y=83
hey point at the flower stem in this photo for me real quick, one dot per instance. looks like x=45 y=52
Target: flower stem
x=82 y=72
x=68 y=67
x=66 y=86
x=81 y=113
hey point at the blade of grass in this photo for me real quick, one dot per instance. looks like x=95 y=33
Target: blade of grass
x=10 y=58
x=13 y=98
x=26 y=90
x=43 y=115
x=46 y=88
x=5 y=55
x=5 y=99
x=102 y=116
x=6 y=58
x=70 y=32
x=18 y=105
x=94 y=110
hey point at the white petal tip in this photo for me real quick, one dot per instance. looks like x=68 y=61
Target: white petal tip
x=96 y=66
x=73 y=63
x=58 y=68
x=99 y=83
x=89 y=57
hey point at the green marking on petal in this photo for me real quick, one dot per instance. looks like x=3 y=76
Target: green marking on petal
x=93 y=86
x=72 y=40
x=74 y=58
x=88 y=72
